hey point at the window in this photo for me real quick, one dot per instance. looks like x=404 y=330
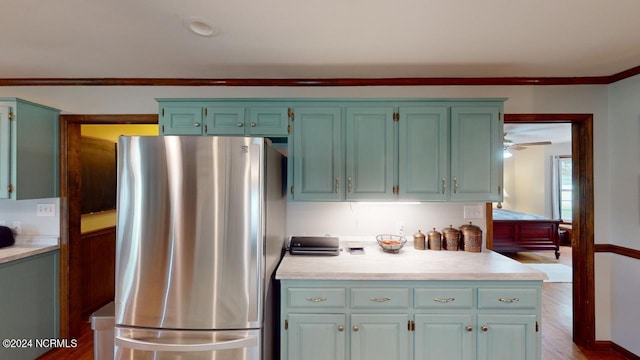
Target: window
x=564 y=188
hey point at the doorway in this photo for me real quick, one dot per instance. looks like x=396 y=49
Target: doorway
x=72 y=318
x=583 y=215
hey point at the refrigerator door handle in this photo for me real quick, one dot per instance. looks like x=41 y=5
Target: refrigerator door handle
x=136 y=344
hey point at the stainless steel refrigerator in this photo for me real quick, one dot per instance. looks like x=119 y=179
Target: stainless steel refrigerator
x=200 y=231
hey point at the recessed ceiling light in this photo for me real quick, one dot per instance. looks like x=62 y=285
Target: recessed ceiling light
x=201 y=27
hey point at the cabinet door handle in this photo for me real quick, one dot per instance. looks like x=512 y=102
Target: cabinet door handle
x=337 y=184
x=239 y=124
x=509 y=300
x=469 y=328
x=196 y=124
x=341 y=328
x=444 y=300
x=253 y=124
x=382 y=299
x=484 y=328
x=349 y=184
x=355 y=328
x=316 y=299
x=444 y=185
x=455 y=185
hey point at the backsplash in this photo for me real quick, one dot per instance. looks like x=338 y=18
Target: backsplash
x=25 y=212
x=365 y=219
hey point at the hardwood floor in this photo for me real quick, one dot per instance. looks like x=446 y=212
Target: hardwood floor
x=557 y=325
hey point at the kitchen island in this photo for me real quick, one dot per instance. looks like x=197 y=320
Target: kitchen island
x=417 y=304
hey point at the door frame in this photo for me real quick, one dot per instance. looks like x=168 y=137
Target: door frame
x=583 y=247
x=70 y=196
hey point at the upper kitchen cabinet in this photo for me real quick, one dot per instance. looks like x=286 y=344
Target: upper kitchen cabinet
x=423 y=148
x=233 y=117
x=476 y=152
x=370 y=153
x=318 y=154
x=29 y=150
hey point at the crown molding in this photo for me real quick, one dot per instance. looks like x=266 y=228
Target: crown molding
x=418 y=81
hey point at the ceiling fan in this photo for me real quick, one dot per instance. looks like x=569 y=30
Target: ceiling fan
x=510 y=145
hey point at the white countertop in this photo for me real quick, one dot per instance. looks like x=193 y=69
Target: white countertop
x=26 y=246
x=408 y=264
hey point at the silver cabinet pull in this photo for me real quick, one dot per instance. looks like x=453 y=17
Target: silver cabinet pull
x=317 y=299
x=469 y=328
x=455 y=185
x=337 y=184
x=196 y=124
x=349 y=184
x=441 y=300
x=239 y=124
x=341 y=328
x=253 y=124
x=444 y=185
x=382 y=299
x=508 y=300
x=355 y=328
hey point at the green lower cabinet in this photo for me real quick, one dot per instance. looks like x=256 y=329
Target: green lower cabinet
x=29 y=305
x=379 y=337
x=316 y=337
x=445 y=336
x=507 y=337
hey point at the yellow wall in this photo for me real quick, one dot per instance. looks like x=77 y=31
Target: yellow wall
x=96 y=221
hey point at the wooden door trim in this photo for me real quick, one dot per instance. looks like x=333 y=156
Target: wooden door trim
x=583 y=222
x=70 y=281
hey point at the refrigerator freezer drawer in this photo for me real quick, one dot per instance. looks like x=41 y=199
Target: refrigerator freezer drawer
x=154 y=344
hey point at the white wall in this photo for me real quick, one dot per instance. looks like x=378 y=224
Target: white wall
x=25 y=211
x=624 y=157
x=521 y=99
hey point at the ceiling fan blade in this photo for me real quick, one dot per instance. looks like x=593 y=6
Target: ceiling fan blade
x=517 y=147
x=534 y=143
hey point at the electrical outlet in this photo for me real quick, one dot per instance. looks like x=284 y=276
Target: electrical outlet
x=17 y=227
x=46 y=210
x=400 y=227
x=473 y=211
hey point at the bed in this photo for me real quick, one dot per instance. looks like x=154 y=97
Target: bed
x=515 y=231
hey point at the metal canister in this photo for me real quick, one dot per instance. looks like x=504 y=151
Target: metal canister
x=434 y=239
x=451 y=238
x=471 y=237
x=419 y=240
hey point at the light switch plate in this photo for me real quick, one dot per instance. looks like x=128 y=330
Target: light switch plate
x=46 y=210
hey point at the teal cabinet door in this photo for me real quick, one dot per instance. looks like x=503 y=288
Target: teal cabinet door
x=445 y=336
x=370 y=153
x=476 y=153
x=507 y=337
x=224 y=120
x=29 y=299
x=29 y=150
x=268 y=120
x=423 y=160
x=316 y=337
x=318 y=171
x=181 y=120
x=5 y=152
x=379 y=337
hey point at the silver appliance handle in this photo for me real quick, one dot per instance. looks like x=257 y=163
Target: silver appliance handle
x=135 y=344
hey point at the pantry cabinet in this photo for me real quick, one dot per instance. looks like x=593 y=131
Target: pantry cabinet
x=29 y=150
x=439 y=319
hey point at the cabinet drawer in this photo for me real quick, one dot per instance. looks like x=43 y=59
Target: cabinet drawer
x=316 y=297
x=507 y=298
x=387 y=298
x=444 y=298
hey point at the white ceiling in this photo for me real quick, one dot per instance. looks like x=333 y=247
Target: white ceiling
x=318 y=38
x=527 y=133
